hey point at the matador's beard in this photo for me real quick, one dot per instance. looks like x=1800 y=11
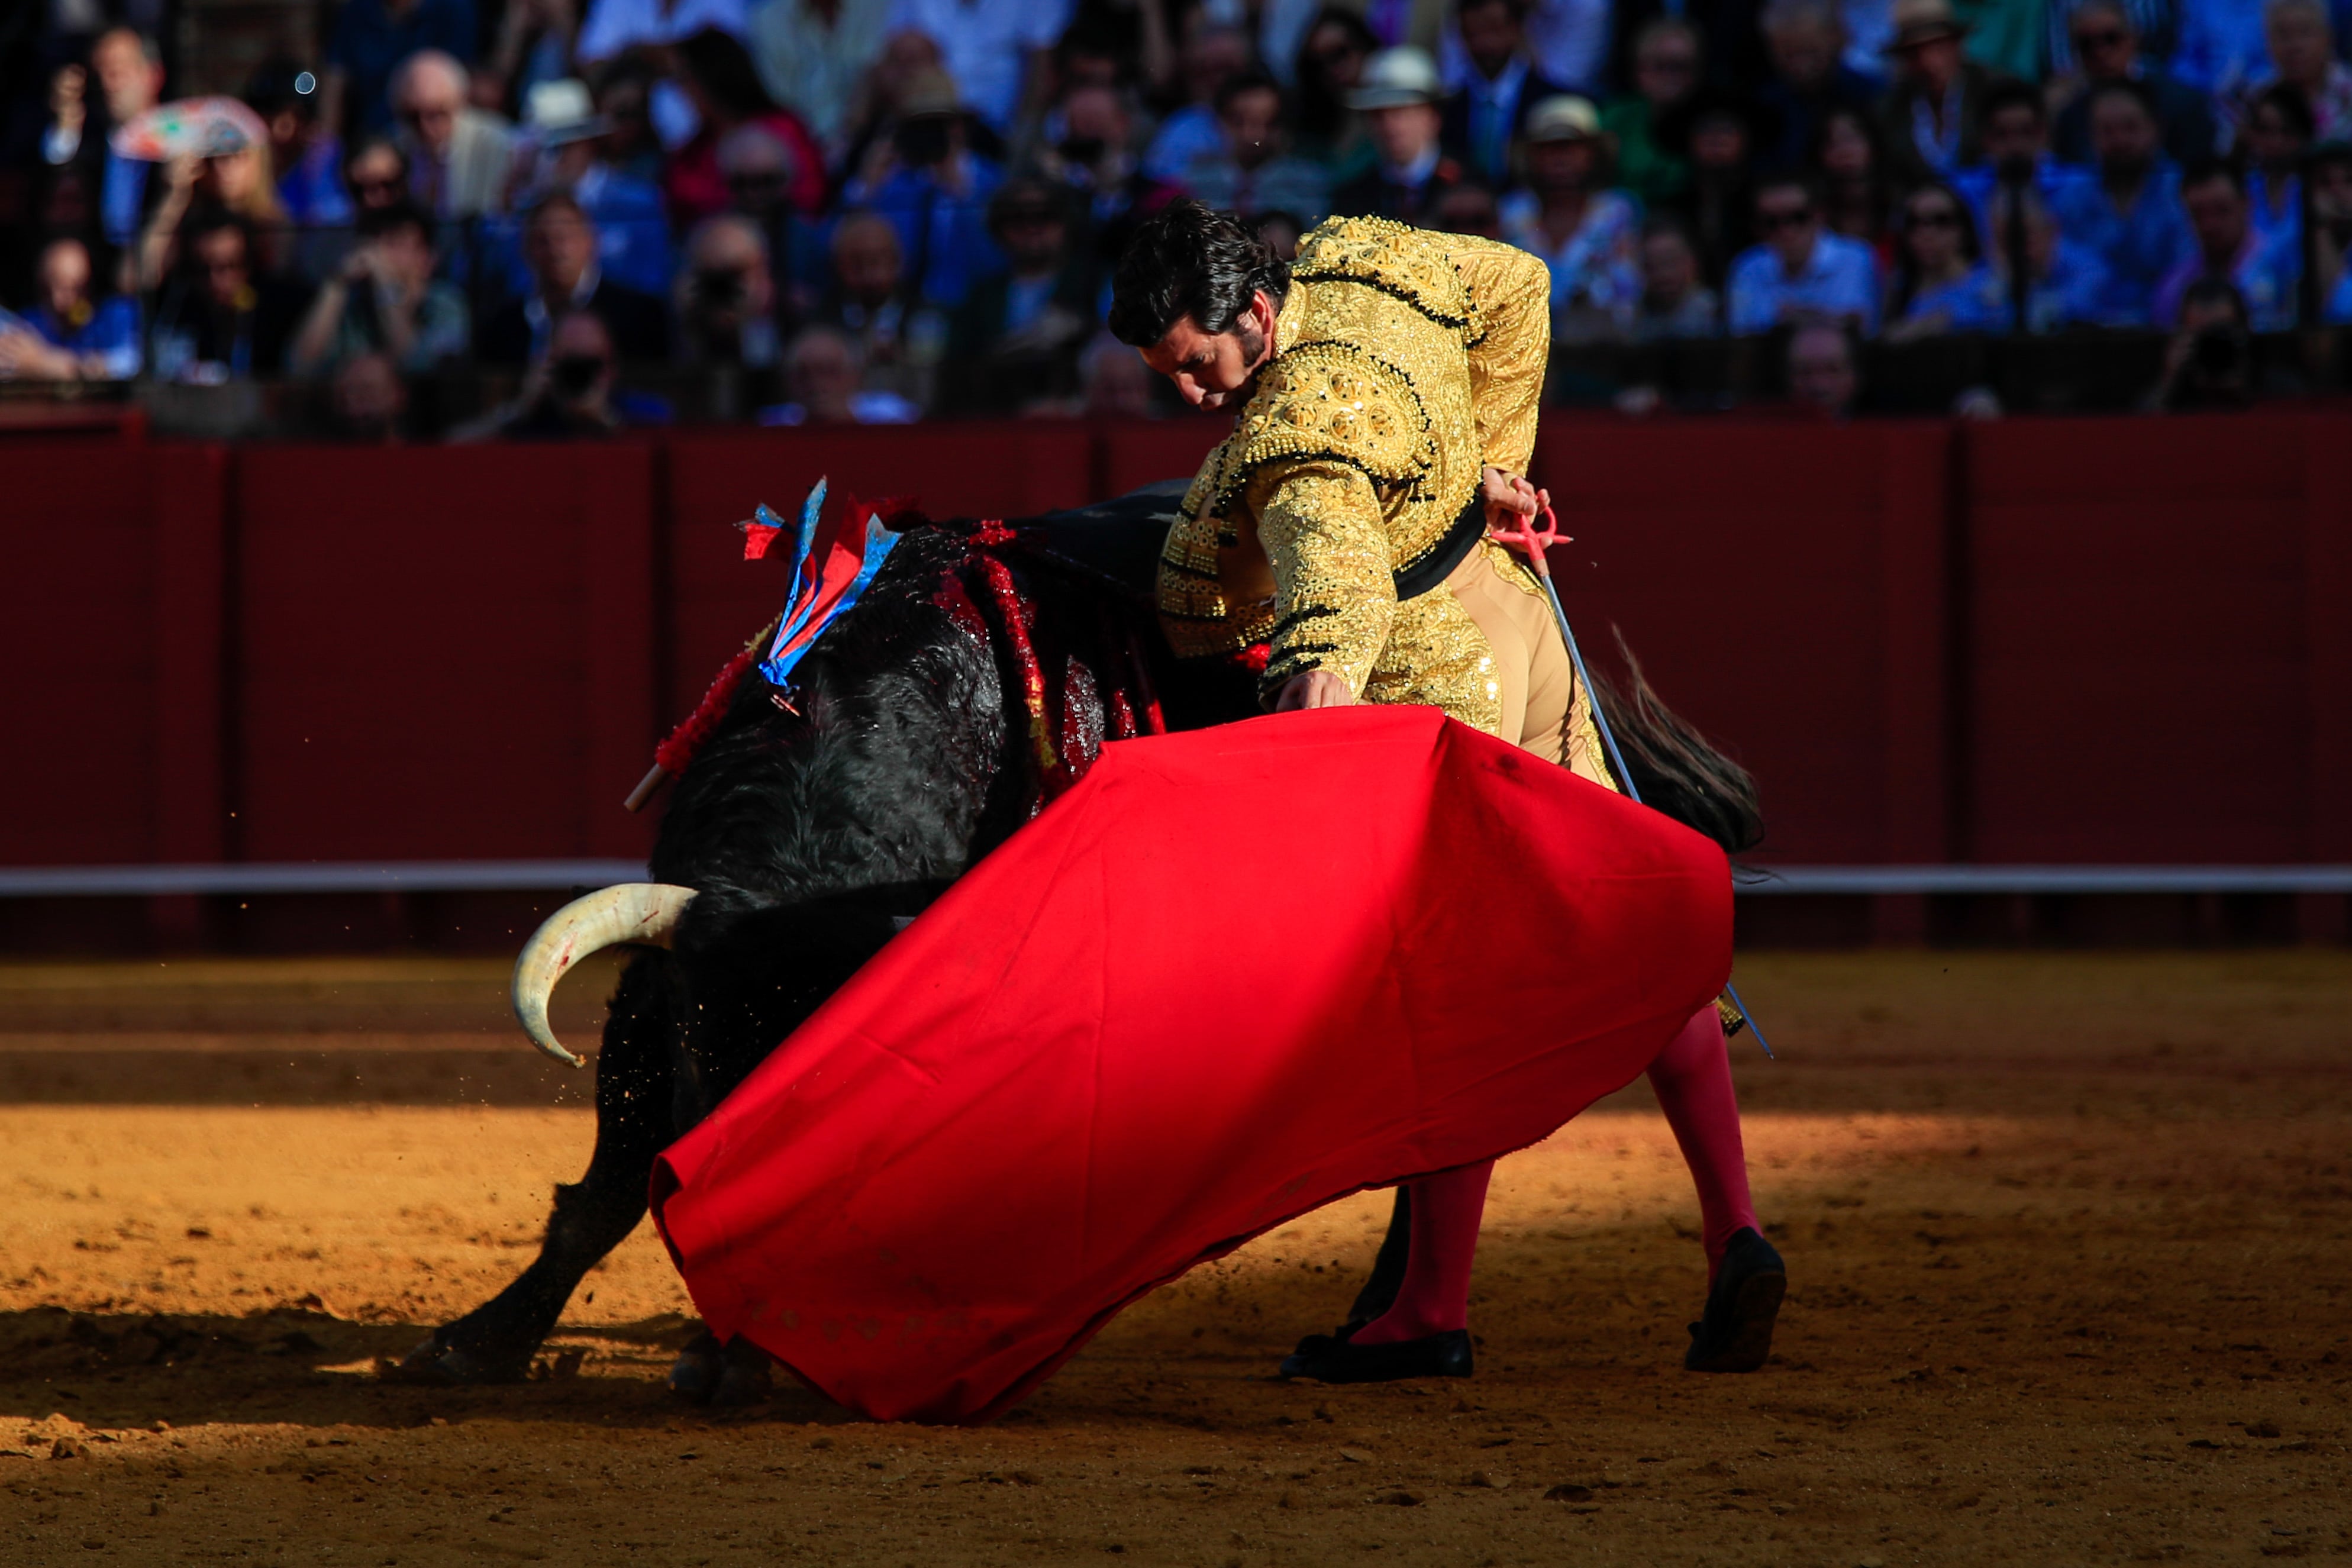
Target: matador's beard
x=1252 y=348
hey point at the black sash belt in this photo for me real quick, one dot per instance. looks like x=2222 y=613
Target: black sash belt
x=1437 y=562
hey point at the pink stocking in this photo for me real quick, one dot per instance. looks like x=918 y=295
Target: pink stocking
x=1436 y=1294
x=1693 y=1080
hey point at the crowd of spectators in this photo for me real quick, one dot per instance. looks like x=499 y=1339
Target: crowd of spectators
x=883 y=210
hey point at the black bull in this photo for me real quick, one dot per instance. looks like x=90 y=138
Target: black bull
x=814 y=827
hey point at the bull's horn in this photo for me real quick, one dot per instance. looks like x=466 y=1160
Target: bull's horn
x=634 y=912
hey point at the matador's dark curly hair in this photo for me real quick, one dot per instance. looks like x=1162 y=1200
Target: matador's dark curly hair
x=1186 y=260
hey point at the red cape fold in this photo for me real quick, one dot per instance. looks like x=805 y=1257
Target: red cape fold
x=1229 y=977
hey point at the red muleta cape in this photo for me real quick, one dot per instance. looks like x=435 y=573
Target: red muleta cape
x=1229 y=977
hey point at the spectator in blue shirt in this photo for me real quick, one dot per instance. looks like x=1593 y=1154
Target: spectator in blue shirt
x=1941 y=283
x=71 y=335
x=371 y=39
x=934 y=190
x=2015 y=136
x=2221 y=45
x=306 y=156
x=2130 y=217
x=2066 y=287
x=2338 y=309
x=1799 y=271
x=1213 y=56
x=1251 y=172
x=1015 y=343
x=2279 y=130
x=568 y=138
x=2230 y=250
x=130 y=71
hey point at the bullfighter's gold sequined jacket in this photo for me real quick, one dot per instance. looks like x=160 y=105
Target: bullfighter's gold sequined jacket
x=1404 y=361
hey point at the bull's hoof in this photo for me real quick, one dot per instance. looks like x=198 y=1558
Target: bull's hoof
x=439 y=1364
x=750 y=1377
x=726 y=1376
x=696 y=1373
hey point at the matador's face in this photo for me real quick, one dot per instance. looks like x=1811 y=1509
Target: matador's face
x=1213 y=370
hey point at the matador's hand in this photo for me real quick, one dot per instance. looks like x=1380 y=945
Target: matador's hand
x=1509 y=498
x=1314 y=688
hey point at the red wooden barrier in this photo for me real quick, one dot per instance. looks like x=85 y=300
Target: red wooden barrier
x=1138 y=454
x=444 y=653
x=2140 y=640
x=80 y=638
x=2055 y=641
x=1782 y=586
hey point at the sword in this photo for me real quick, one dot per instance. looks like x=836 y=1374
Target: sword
x=1537 y=540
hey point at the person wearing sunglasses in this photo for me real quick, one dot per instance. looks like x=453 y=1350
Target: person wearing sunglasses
x=220 y=316
x=458 y=155
x=1941 y=283
x=375 y=172
x=1798 y=270
x=2106 y=42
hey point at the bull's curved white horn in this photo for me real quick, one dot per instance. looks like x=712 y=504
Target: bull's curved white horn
x=632 y=911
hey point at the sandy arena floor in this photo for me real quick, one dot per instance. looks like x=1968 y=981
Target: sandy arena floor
x=2070 y=1250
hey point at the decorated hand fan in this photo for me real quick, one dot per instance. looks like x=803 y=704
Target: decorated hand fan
x=206 y=127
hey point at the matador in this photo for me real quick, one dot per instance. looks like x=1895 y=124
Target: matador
x=1386 y=386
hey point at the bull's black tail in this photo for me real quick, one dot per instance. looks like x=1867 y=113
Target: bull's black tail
x=1673 y=767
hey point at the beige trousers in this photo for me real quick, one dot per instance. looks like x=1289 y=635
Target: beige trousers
x=1543 y=710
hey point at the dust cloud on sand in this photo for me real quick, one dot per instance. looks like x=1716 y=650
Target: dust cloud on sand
x=2069 y=1240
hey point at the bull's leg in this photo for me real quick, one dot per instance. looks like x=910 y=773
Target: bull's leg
x=1380 y=1291
x=495 y=1342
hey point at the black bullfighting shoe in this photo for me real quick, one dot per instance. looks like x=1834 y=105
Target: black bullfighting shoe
x=1734 y=1332
x=1333 y=1358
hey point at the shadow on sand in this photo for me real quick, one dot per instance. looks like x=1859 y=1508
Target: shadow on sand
x=287 y=1366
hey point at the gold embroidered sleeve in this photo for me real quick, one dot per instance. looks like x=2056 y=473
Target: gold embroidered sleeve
x=1335 y=591
x=1510 y=347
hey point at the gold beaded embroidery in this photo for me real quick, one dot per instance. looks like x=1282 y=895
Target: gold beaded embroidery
x=1436 y=654
x=1395 y=258
x=1404 y=361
